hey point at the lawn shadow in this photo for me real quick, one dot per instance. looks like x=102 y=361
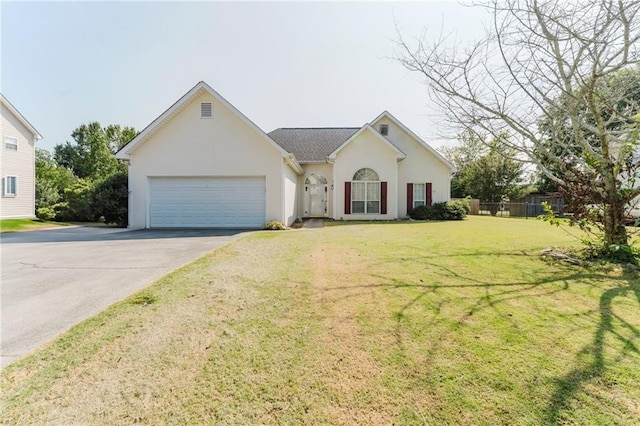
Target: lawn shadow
x=568 y=386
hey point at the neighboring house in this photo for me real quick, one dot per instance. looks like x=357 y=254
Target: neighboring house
x=202 y=163
x=17 y=158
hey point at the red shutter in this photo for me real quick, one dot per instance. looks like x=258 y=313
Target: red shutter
x=409 y=198
x=428 y=190
x=347 y=198
x=383 y=197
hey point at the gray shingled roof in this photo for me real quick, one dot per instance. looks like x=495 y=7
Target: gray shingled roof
x=312 y=144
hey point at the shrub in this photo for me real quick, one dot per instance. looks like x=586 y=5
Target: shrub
x=274 y=225
x=456 y=210
x=421 y=213
x=45 y=213
x=111 y=198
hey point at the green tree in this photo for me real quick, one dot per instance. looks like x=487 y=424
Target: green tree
x=51 y=181
x=91 y=154
x=485 y=170
x=111 y=198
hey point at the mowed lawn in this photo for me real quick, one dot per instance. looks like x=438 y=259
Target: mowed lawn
x=407 y=323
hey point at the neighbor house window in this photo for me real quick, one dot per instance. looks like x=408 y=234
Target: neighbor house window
x=10 y=186
x=365 y=192
x=419 y=195
x=206 y=110
x=11 y=143
x=384 y=129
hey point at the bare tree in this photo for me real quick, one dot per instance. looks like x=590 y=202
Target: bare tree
x=562 y=78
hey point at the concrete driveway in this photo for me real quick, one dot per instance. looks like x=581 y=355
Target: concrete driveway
x=53 y=279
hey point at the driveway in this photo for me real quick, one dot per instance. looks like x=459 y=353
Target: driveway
x=53 y=279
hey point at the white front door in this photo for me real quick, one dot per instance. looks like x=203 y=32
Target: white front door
x=315 y=196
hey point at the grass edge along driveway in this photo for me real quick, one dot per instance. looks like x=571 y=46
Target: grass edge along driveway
x=410 y=323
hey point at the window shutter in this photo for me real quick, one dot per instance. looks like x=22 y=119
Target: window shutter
x=347 y=198
x=427 y=187
x=383 y=197
x=409 y=198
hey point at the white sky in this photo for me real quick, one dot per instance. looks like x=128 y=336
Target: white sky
x=281 y=64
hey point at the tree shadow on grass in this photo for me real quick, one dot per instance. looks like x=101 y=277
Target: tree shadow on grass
x=568 y=386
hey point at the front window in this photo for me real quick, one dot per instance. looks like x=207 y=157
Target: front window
x=419 y=194
x=10 y=186
x=365 y=192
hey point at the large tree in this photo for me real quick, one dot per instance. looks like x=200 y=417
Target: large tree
x=91 y=155
x=553 y=75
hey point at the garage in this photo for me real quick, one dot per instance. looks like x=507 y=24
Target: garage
x=207 y=202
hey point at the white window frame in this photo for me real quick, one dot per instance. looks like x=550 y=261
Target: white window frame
x=419 y=201
x=10 y=141
x=201 y=110
x=366 y=200
x=5 y=190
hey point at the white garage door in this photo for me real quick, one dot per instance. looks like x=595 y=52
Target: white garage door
x=207 y=202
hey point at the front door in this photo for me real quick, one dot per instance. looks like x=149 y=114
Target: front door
x=315 y=195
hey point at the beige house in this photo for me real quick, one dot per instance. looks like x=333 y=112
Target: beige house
x=17 y=160
x=202 y=163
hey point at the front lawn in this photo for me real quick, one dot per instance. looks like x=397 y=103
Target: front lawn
x=399 y=323
x=13 y=225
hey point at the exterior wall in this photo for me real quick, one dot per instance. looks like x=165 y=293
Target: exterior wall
x=324 y=169
x=20 y=163
x=366 y=151
x=188 y=145
x=420 y=166
x=290 y=182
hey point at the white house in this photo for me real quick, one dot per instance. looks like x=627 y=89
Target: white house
x=202 y=163
x=17 y=160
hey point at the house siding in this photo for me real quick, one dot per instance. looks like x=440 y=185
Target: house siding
x=366 y=150
x=188 y=145
x=420 y=166
x=290 y=195
x=20 y=163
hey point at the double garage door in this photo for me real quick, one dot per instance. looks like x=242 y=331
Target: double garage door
x=207 y=202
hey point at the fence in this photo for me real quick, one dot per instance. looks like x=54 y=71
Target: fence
x=515 y=208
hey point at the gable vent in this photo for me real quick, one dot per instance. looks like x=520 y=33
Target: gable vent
x=206 y=110
x=384 y=129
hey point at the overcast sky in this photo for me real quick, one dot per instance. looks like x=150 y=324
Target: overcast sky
x=282 y=64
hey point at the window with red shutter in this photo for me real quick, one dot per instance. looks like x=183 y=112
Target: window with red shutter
x=409 y=197
x=383 y=197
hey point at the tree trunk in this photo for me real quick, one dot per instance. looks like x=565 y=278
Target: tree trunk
x=615 y=233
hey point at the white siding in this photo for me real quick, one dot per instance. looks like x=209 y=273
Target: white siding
x=367 y=150
x=420 y=166
x=20 y=163
x=188 y=145
x=290 y=195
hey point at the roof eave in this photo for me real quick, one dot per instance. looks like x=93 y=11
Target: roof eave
x=36 y=135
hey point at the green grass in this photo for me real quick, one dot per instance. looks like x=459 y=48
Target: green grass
x=15 y=225
x=403 y=323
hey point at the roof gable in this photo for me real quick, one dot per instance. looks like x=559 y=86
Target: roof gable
x=20 y=117
x=367 y=128
x=390 y=117
x=179 y=105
